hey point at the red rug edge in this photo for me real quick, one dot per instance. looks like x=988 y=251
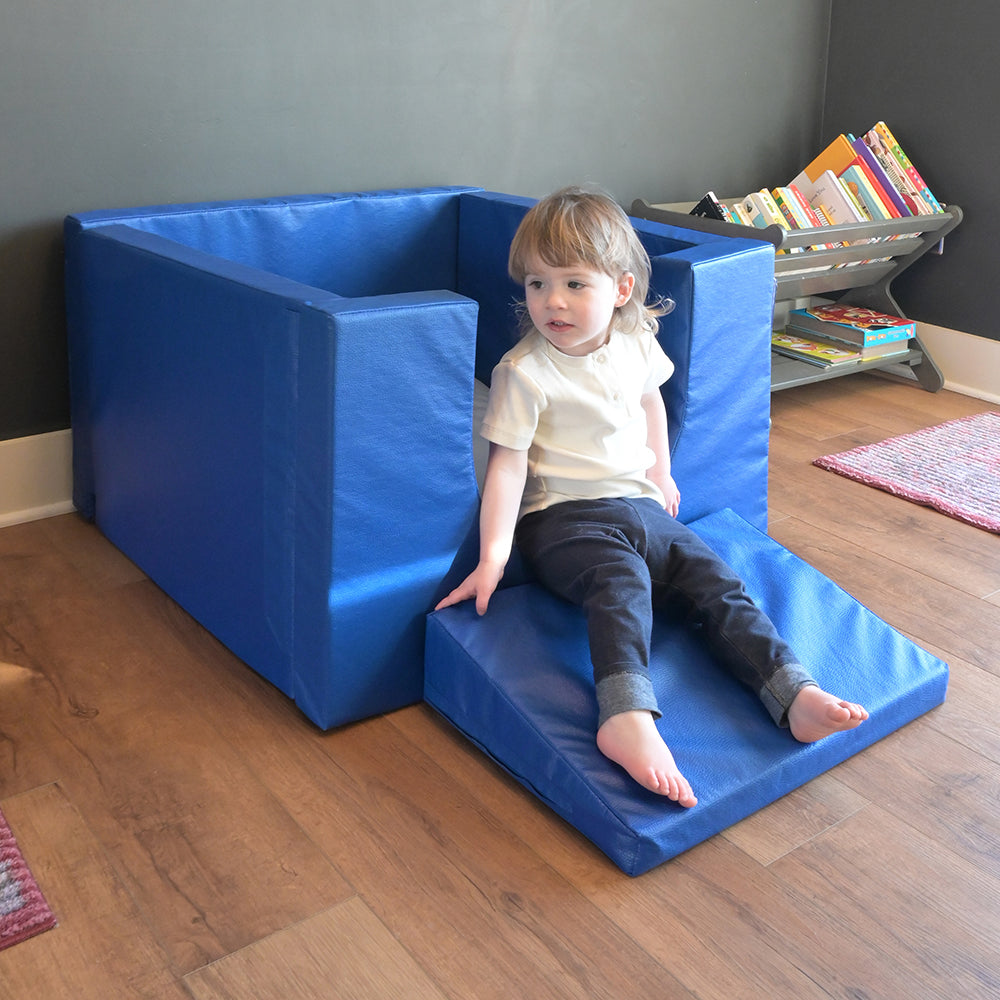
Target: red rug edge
x=36 y=915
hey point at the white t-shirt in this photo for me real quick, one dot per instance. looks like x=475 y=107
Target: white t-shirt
x=579 y=419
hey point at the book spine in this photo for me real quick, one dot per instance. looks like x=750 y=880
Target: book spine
x=740 y=214
x=908 y=167
x=784 y=206
x=872 y=349
x=896 y=328
x=880 y=150
x=885 y=187
x=811 y=215
x=848 y=334
x=804 y=214
x=872 y=182
x=851 y=187
x=754 y=213
x=859 y=184
x=771 y=210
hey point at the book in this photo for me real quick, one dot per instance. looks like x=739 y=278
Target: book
x=870 y=353
x=859 y=185
x=838 y=157
x=790 y=208
x=711 y=208
x=887 y=188
x=911 y=171
x=814 y=351
x=763 y=212
x=828 y=193
x=740 y=214
x=813 y=217
x=799 y=213
x=771 y=207
x=856 y=324
x=880 y=150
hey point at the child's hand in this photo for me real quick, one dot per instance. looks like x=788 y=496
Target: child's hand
x=671 y=495
x=480 y=584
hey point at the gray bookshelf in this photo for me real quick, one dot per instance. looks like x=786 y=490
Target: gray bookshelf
x=856 y=274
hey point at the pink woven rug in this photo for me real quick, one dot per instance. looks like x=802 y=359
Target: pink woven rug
x=23 y=910
x=954 y=468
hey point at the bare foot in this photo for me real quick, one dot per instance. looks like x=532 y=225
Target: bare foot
x=631 y=739
x=815 y=714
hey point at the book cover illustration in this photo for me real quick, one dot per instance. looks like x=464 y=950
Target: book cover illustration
x=857 y=324
x=814 y=351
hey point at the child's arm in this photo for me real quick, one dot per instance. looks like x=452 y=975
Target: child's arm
x=506 y=471
x=657 y=439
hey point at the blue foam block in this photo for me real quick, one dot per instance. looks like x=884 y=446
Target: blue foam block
x=518 y=683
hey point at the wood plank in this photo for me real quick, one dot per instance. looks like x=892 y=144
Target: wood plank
x=785 y=825
x=925 y=922
x=870 y=400
x=102 y=946
x=939 y=546
x=668 y=911
x=136 y=730
x=935 y=785
x=344 y=952
x=452 y=881
x=102 y=565
x=969 y=714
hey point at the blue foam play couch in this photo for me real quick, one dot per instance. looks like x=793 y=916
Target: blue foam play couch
x=272 y=405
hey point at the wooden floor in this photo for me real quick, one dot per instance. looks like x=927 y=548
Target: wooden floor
x=197 y=838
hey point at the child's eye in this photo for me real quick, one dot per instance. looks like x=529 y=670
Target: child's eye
x=576 y=284
x=534 y=283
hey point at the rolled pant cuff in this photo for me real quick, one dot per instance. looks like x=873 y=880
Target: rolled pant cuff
x=625 y=692
x=781 y=688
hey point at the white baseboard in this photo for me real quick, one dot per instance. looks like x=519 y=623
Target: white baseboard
x=36 y=477
x=970 y=365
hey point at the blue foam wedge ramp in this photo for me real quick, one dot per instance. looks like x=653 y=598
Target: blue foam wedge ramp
x=518 y=683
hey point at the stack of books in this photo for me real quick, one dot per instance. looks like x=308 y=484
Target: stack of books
x=829 y=335
x=862 y=179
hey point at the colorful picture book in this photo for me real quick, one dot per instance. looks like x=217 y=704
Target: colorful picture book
x=815 y=351
x=805 y=346
x=854 y=179
x=853 y=324
x=711 y=208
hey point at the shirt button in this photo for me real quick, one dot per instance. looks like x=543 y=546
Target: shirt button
x=601 y=358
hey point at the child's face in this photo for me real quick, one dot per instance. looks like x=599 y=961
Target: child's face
x=572 y=307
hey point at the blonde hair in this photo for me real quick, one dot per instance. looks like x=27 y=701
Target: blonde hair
x=576 y=226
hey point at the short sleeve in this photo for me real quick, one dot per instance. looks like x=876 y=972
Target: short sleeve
x=660 y=367
x=513 y=409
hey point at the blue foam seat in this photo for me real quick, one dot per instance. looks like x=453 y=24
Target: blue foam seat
x=518 y=683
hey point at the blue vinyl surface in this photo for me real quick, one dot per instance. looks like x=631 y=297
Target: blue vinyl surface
x=272 y=410
x=518 y=683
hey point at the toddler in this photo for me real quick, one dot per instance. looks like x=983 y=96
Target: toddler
x=578 y=475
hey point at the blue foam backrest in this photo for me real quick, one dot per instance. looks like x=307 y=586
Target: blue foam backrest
x=370 y=243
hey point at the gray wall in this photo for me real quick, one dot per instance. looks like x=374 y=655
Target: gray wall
x=109 y=103
x=932 y=72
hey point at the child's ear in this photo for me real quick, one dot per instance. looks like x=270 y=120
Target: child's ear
x=625 y=285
